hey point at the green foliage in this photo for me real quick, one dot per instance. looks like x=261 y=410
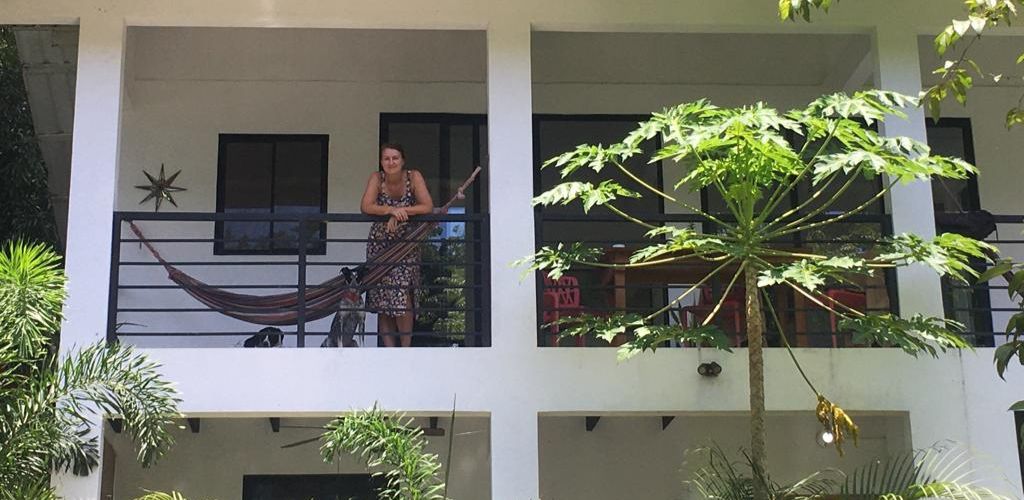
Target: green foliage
x=392 y=447
x=24 y=195
x=744 y=156
x=444 y=304
x=1014 y=347
x=942 y=471
x=948 y=254
x=791 y=10
x=48 y=402
x=957 y=75
x=813 y=273
x=158 y=495
x=646 y=337
x=555 y=261
x=720 y=478
x=590 y=194
x=914 y=335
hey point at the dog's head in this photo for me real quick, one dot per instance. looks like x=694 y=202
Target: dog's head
x=352 y=277
x=267 y=337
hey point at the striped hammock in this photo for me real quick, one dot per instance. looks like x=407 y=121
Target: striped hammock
x=320 y=300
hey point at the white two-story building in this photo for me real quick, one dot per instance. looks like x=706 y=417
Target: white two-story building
x=273 y=112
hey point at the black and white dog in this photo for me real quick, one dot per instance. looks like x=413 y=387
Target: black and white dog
x=270 y=336
x=350 y=318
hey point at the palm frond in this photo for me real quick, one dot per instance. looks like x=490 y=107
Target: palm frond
x=115 y=381
x=942 y=471
x=31 y=298
x=31 y=488
x=392 y=447
x=159 y=495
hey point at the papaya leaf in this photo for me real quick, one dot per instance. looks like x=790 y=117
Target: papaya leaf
x=914 y=335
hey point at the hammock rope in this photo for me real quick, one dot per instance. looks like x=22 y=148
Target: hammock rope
x=320 y=300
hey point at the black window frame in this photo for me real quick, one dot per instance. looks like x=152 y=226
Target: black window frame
x=538 y=210
x=964 y=124
x=444 y=121
x=223 y=140
x=981 y=302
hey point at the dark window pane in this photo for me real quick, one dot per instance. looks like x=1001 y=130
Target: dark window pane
x=248 y=167
x=270 y=174
x=297 y=177
x=422 y=143
x=311 y=487
x=949 y=195
x=247 y=171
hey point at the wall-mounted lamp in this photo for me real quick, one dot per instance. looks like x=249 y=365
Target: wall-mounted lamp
x=711 y=369
x=825 y=438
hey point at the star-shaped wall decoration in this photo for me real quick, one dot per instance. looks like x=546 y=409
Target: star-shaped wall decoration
x=160 y=188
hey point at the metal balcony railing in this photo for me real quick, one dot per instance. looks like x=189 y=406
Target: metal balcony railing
x=598 y=291
x=985 y=308
x=256 y=255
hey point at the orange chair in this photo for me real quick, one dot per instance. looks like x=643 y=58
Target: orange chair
x=561 y=298
x=734 y=305
x=853 y=299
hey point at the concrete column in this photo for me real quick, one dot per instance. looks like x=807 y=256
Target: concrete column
x=899 y=69
x=515 y=469
x=510 y=177
x=514 y=446
x=92 y=200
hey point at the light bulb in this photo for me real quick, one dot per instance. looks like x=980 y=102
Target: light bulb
x=825 y=438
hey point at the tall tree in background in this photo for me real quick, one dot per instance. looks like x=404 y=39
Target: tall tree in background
x=24 y=196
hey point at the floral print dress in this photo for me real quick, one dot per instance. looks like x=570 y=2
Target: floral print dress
x=389 y=296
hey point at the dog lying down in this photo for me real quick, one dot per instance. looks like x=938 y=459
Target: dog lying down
x=350 y=318
x=267 y=337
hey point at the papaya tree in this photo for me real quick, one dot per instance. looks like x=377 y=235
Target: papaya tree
x=748 y=157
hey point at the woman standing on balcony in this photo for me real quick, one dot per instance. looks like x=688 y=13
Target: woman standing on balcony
x=399 y=193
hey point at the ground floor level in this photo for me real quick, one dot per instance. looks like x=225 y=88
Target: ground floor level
x=599 y=456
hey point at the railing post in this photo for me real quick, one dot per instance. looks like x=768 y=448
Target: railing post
x=115 y=270
x=485 y=307
x=300 y=323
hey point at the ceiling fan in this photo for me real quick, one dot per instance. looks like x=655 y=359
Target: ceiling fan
x=431 y=430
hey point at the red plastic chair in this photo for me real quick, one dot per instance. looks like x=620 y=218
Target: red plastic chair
x=561 y=298
x=850 y=298
x=734 y=305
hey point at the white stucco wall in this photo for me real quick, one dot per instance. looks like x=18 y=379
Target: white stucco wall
x=633 y=457
x=957 y=396
x=211 y=464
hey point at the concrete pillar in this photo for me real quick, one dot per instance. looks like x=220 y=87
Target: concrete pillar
x=899 y=69
x=92 y=200
x=515 y=448
x=510 y=177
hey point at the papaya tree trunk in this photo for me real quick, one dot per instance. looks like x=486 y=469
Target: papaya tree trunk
x=755 y=352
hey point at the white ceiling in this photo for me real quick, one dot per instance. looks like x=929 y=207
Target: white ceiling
x=49 y=57
x=697 y=58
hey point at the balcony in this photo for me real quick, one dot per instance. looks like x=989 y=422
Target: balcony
x=653 y=290
x=237 y=273
x=985 y=308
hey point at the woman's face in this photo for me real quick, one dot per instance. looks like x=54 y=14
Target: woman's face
x=391 y=161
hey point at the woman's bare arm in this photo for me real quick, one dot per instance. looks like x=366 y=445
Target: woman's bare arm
x=369 y=204
x=424 y=203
